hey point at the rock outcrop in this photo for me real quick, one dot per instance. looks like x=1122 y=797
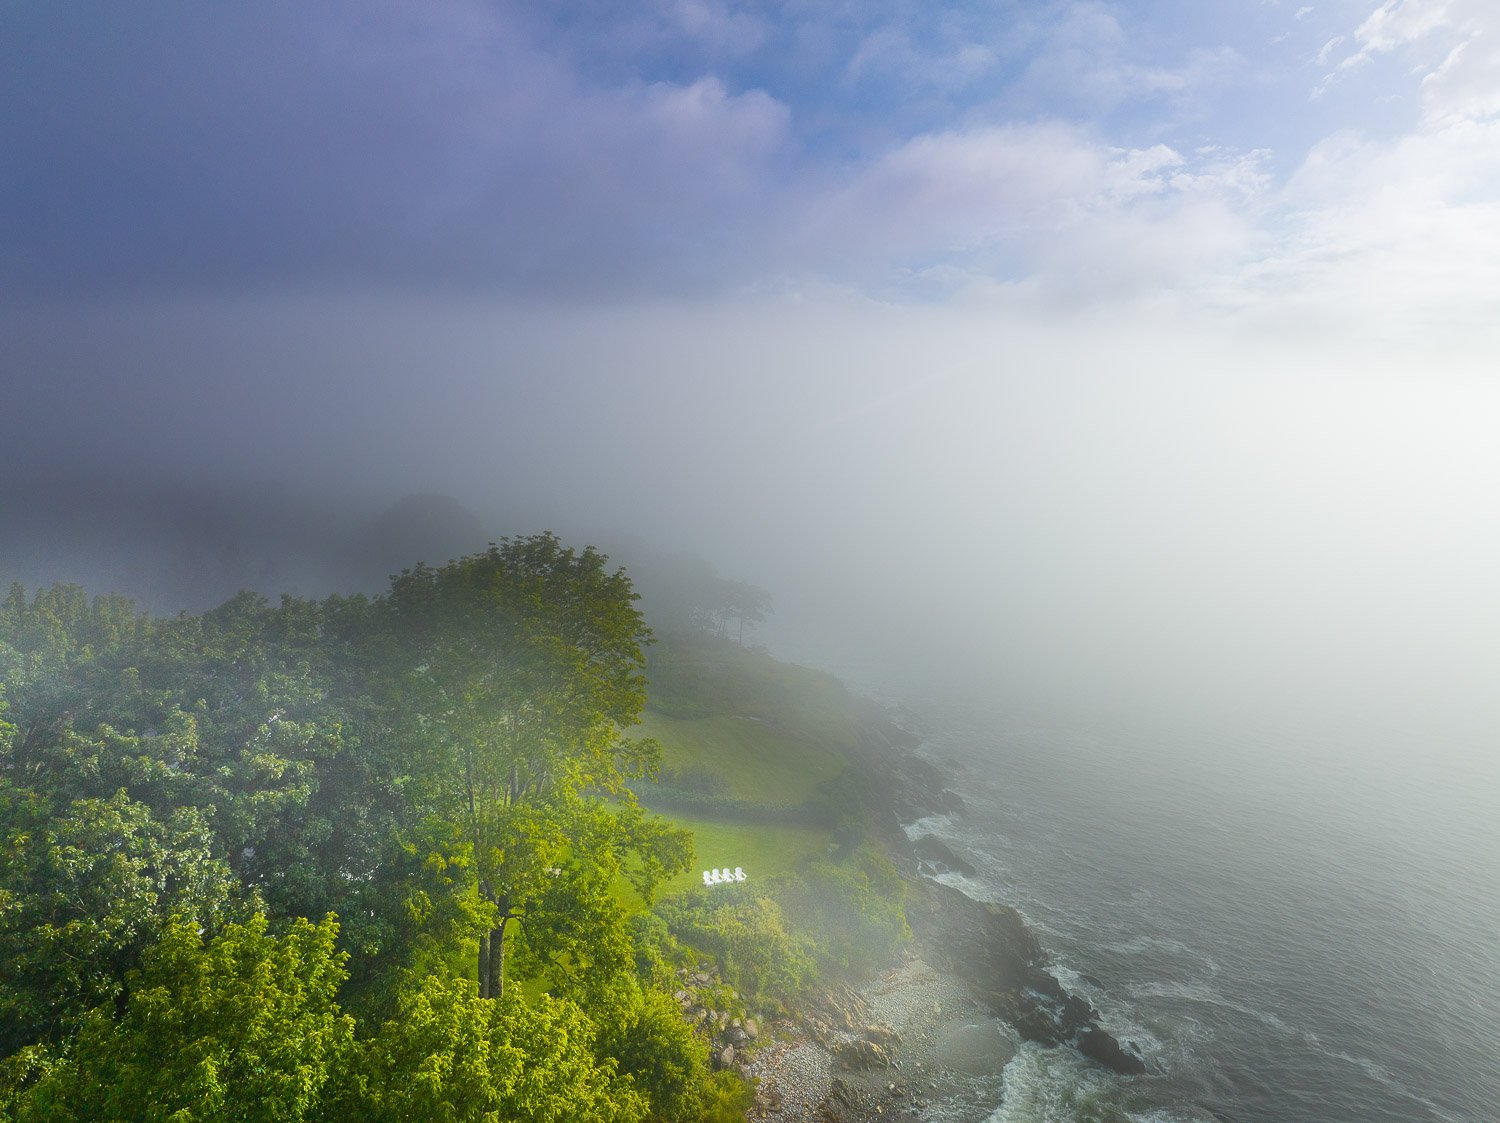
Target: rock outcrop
x=992 y=946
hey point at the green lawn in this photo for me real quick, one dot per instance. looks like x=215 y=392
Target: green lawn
x=737 y=722
x=760 y=850
x=748 y=759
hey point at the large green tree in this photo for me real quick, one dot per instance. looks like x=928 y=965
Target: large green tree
x=519 y=671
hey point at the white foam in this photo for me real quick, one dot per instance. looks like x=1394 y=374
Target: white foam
x=1180 y=991
x=1140 y=945
x=1058 y=1086
x=929 y=824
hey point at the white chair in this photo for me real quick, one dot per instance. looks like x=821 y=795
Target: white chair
x=739 y=874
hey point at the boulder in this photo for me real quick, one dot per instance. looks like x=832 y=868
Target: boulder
x=860 y=1054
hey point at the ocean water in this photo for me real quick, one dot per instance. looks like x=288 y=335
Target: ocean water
x=1292 y=929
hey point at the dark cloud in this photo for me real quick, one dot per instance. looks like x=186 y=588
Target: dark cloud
x=183 y=146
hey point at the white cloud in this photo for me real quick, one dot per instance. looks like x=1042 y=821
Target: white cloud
x=1399 y=234
x=1045 y=207
x=716 y=25
x=1326 y=52
x=1453 y=45
x=1088 y=59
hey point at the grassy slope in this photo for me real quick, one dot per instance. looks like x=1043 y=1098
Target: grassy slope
x=767 y=732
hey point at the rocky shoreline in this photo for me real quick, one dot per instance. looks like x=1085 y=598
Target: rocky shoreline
x=941 y=1025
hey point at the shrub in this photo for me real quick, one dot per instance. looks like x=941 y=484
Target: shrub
x=749 y=939
x=853 y=912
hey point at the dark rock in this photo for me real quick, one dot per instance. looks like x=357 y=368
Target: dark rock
x=934 y=850
x=843 y=1105
x=1100 y=1046
x=952 y=802
x=992 y=945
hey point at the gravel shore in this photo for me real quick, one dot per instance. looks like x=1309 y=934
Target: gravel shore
x=944 y=1058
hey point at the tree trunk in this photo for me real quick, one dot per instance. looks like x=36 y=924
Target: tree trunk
x=497 y=959
x=484 y=965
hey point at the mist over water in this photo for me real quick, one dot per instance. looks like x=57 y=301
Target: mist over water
x=1288 y=932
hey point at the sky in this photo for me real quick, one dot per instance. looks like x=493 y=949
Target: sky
x=1142 y=347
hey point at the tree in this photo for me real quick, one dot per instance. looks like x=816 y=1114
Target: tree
x=452 y=1057
x=746 y=603
x=242 y=1029
x=82 y=892
x=517 y=671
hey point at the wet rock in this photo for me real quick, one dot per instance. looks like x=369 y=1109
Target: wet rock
x=1100 y=1046
x=940 y=855
x=992 y=945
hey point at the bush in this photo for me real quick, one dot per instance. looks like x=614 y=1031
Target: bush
x=852 y=912
x=749 y=939
x=667 y=1060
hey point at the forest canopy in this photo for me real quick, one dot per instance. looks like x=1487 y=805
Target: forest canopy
x=229 y=839
x=386 y=857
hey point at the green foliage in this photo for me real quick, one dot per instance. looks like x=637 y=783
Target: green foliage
x=452 y=1057
x=243 y=1028
x=82 y=892
x=668 y=1061
x=656 y=951
x=7 y=730
x=747 y=935
x=852 y=912
x=514 y=672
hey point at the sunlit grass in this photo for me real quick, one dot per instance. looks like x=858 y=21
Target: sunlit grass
x=747 y=759
x=760 y=850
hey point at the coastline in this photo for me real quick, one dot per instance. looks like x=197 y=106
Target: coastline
x=940 y=1026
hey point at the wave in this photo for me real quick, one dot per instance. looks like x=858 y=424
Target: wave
x=1058 y=1086
x=1180 y=991
x=1390 y=1083
x=1145 y=945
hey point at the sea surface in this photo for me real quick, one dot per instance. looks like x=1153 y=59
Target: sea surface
x=1294 y=926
